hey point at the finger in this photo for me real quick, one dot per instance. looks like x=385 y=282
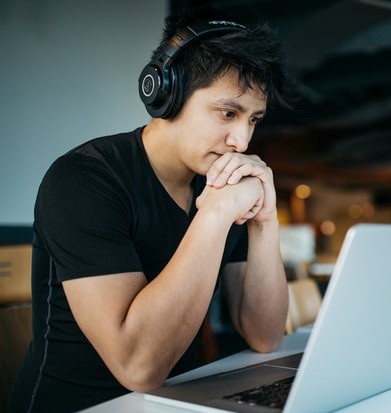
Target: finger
x=230 y=168
x=222 y=169
x=234 y=167
x=249 y=215
x=240 y=221
x=245 y=170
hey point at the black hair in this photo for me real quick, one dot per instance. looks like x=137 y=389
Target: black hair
x=254 y=53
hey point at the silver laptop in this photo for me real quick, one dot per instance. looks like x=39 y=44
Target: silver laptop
x=348 y=355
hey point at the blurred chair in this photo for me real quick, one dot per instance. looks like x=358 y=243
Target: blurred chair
x=15 y=337
x=305 y=300
x=15 y=273
x=297 y=244
x=15 y=313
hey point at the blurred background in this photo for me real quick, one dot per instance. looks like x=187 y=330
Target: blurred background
x=331 y=155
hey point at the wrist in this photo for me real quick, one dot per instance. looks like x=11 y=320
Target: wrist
x=270 y=226
x=271 y=221
x=215 y=215
x=212 y=203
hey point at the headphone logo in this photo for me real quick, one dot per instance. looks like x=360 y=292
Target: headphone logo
x=227 y=23
x=148 y=85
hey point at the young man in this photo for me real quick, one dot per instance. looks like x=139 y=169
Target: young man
x=134 y=232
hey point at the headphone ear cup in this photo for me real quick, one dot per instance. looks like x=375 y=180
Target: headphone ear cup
x=158 y=90
x=176 y=95
x=149 y=84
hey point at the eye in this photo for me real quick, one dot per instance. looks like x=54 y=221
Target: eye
x=227 y=114
x=256 y=119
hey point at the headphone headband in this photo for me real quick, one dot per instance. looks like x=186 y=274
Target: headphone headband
x=158 y=86
x=188 y=34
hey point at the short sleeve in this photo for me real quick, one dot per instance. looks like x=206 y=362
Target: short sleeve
x=82 y=218
x=236 y=245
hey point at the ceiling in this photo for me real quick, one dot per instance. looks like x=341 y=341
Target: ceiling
x=338 y=55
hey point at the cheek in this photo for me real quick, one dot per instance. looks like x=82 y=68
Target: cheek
x=200 y=159
x=202 y=137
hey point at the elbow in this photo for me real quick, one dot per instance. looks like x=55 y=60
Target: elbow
x=140 y=368
x=143 y=386
x=266 y=344
x=142 y=377
x=144 y=383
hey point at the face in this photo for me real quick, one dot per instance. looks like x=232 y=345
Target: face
x=214 y=120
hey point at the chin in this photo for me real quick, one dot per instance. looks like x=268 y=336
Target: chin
x=212 y=158
x=203 y=166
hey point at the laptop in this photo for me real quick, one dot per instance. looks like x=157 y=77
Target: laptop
x=348 y=354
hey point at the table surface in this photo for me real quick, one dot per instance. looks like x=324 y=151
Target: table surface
x=291 y=344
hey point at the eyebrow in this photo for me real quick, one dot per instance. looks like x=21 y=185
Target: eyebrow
x=235 y=104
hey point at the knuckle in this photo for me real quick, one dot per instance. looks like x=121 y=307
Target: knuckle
x=256 y=158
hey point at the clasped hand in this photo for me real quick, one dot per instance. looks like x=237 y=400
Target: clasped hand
x=246 y=180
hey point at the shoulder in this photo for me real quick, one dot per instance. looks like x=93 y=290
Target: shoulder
x=112 y=147
x=109 y=156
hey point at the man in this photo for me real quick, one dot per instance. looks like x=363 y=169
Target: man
x=134 y=232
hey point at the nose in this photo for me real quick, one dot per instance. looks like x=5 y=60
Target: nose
x=239 y=137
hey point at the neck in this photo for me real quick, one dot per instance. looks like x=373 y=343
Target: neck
x=161 y=150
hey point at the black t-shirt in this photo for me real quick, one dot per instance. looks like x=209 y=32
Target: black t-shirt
x=100 y=210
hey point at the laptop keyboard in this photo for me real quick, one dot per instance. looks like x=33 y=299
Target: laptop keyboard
x=270 y=395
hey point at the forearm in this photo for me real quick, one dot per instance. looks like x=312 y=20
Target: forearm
x=264 y=303
x=165 y=315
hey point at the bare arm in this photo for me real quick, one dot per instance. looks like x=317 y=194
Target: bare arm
x=256 y=291
x=141 y=330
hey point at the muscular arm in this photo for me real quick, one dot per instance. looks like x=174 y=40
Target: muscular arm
x=141 y=330
x=256 y=291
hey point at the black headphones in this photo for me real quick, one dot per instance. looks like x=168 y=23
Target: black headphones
x=159 y=87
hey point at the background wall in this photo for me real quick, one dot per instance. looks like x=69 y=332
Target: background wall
x=68 y=73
